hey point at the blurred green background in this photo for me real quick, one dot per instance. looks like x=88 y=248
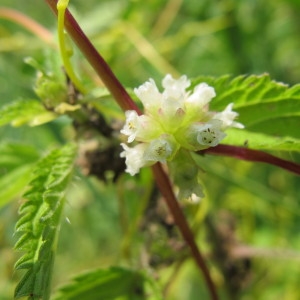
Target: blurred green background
x=142 y=39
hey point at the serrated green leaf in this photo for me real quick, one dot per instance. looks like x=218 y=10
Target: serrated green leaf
x=24 y=223
x=25 y=284
x=26 y=208
x=26 y=242
x=113 y=283
x=24 y=112
x=261 y=141
x=25 y=262
x=269 y=110
x=40 y=220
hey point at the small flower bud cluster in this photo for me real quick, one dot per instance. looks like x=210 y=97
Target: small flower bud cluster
x=173 y=120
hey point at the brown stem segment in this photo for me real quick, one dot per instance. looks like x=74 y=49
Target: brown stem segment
x=252 y=155
x=126 y=103
x=165 y=187
x=96 y=61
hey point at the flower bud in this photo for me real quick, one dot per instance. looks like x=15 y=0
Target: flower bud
x=161 y=149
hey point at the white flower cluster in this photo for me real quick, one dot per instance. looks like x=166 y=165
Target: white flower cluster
x=173 y=119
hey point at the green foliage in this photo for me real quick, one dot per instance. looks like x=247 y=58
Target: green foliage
x=120 y=221
x=113 y=283
x=50 y=90
x=269 y=110
x=23 y=112
x=16 y=163
x=39 y=222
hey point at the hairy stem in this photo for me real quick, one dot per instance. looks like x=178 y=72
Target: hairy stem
x=252 y=155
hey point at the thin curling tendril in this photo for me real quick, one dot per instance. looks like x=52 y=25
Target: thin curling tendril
x=65 y=53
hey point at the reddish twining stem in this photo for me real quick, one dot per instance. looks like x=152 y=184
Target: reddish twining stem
x=96 y=60
x=165 y=187
x=126 y=103
x=252 y=155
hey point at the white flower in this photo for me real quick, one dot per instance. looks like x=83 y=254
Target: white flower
x=175 y=88
x=197 y=104
x=150 y=96
x=172 y=111
x=134 y=158
x=174 y=121
x=132 y=125
x=201 y=135
x=161 y=149
x=210 y=133
x=141 y=128
x=201 y=96
x=227 y=116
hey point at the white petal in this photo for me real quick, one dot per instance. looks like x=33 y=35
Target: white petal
x=175 y=88
x=202 y=95
x=227 y=116
x=133 y=158
x=149 y=94
x=160 y=149
x=211 y=135
x=131 y=126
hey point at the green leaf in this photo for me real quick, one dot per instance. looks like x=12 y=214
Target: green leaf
x=261 y=141
x=23 y=112
x=13 y=183
x=15 y=154
x=113 y=283
x=269 y=110
x=39 y=222
x=16 y=162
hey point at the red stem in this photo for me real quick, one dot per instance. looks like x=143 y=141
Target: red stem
x=96 y=61
x=126 y=103
x=165 y=187
x=252 y=155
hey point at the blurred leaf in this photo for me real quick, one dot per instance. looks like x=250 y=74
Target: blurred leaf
x=261 y=141
x=113 y=283
x=16 y=161
x=109 y=12
x=25 y=112
x=269 y=110
x=39 y=222
x=13 y=183
x=13 y=155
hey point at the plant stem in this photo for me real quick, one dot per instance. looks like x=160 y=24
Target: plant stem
x=96 y=61
x=165 y=187
x=126 y=103
x=27 y=23
x=252 y=155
